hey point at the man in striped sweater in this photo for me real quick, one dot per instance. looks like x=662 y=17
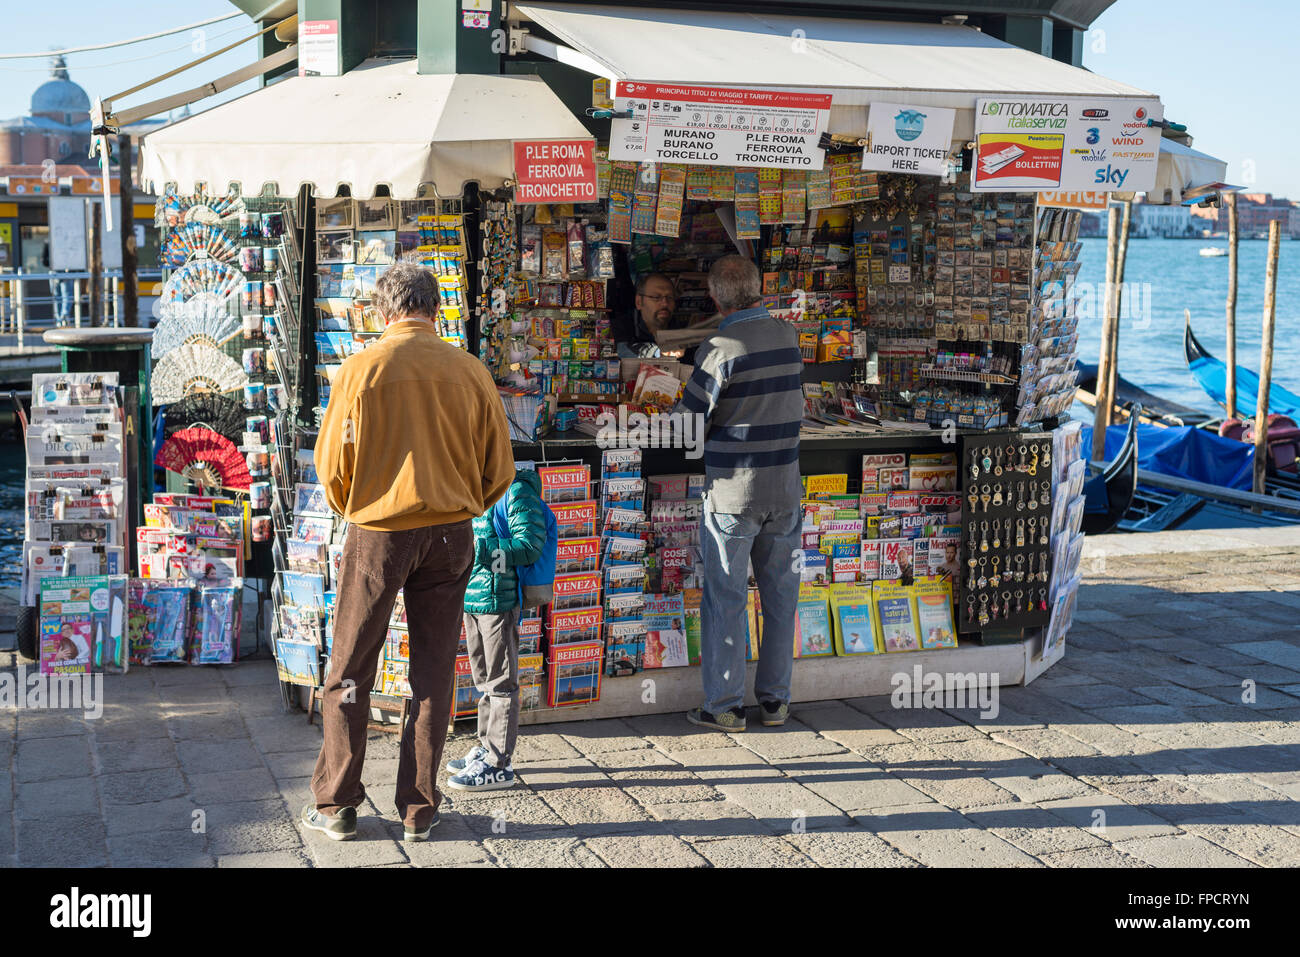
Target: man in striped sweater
x=746 y=386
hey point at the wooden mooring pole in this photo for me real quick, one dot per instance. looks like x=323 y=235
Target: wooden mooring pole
x=1105 y=397
x=1231 y=200
x=1266 y=357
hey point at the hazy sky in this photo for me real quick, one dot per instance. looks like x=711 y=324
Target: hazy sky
x=1219 y=72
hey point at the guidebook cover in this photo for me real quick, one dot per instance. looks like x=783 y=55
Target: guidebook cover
x=576 y=590
x=692 y=599
x=575 y=519
x=575 y=625
x=573 y=673
x=564 y=483
x=855 y=626
x=896 y=617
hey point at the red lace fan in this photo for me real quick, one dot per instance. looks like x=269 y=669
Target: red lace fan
x=204 y=457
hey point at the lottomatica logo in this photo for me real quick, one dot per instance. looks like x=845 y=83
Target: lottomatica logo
x=909 y=124
x=76 y=910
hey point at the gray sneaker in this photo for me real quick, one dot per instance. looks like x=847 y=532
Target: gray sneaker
x=410 y=834
x=733 y=720
x=773 y=713
x=339 y=827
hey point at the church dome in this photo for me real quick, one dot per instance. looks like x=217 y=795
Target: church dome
x=59 y=94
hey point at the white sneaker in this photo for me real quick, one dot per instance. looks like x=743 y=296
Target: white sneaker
x=476 y=753
x=481 y=776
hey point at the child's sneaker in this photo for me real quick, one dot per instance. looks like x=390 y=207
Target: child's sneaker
x=476 y=753
x=481 y=776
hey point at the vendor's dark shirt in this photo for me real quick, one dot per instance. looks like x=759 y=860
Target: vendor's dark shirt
x=638 y=342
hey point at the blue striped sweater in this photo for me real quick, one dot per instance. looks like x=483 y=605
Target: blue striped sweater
x=746 y=385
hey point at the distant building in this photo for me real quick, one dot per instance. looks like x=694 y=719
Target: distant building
x=57 y=126
x=1254 y=212
x=1163 y=222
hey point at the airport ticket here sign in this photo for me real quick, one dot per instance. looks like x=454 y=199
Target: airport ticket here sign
x=908 y=139
x=719 y=126
x=1066 y=144
x=555 y=171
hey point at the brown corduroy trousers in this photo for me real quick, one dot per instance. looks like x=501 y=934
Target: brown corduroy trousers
x=432 y=565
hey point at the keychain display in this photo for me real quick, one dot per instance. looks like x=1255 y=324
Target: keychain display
x=1007 y=511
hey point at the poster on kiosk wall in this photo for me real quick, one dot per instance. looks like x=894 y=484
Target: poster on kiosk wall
x=1055 y=143
x=718 y=126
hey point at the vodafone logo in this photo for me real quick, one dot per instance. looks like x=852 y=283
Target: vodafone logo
x=1140 y=114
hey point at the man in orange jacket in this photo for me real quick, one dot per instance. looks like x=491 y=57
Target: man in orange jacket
x=413 y=446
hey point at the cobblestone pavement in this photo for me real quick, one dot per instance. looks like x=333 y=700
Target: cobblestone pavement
x=1137 y=750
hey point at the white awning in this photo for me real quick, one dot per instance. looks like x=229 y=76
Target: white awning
x=857 y=61
x=1185 y=173
x=381 y=123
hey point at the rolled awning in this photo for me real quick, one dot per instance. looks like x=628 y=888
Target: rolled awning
x=857 y=61
x=379 y=124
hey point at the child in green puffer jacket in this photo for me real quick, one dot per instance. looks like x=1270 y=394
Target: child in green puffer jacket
x=493 y=600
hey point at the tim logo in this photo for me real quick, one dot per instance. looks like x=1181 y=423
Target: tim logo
x=1096 y=114
x=75 y=910
x=909 y=124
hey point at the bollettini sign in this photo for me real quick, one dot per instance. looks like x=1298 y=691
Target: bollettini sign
x=555 y=171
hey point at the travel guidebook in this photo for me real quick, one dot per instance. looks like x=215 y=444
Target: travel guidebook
x=573 y=673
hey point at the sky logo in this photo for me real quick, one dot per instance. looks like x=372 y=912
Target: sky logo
x=1111 y=175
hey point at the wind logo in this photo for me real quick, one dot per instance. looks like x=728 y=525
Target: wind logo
x=74 y=910
x=909 y=124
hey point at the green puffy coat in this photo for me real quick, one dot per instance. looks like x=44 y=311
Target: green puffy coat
x=493 y=584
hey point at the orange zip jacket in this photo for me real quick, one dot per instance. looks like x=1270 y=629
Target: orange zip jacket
x=414 y=434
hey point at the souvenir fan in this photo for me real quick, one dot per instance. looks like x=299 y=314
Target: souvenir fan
x=202 y=288
x=194 y=368
x=205 y=458
x=173 y=331
x=212 y=410
x=201 y=207
x=198 y=241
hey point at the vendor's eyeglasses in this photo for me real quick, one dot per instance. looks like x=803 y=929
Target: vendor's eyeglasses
x=666 y=297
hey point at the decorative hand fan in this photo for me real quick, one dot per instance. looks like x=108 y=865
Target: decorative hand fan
x=204 y=457
x=202 y=288
x=194 y=368
x=221 y=414
x=201 y=207
x=198 y=241
x=172 y=332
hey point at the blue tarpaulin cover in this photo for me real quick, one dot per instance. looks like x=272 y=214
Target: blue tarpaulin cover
x=1185 y=452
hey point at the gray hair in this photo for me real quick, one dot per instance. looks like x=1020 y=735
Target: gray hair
x=406 y=289
x=734 y=283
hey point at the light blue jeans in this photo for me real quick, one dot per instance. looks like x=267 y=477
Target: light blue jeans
x=728 y=543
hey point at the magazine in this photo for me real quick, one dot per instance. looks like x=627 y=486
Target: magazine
x=625 y=647
x=665 y=643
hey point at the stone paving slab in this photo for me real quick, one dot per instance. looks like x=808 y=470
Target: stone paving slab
x=1136 y=751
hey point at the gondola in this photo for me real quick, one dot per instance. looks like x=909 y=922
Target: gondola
x=1109 y=492
x=1211 y=374
x=1154 y=409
